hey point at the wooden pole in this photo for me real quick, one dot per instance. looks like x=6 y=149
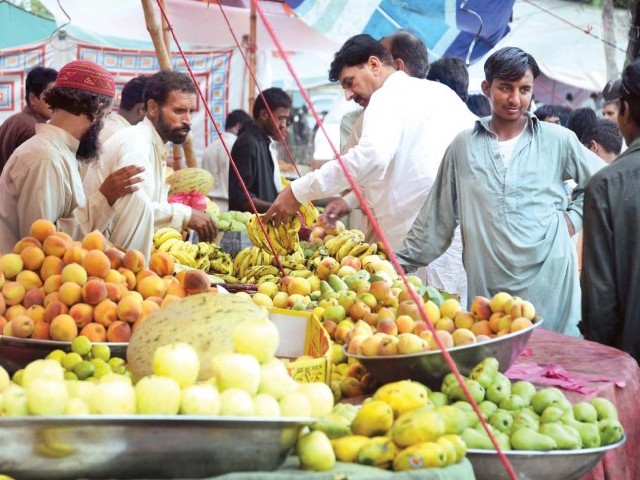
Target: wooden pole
x=252 y=55
x=161 y=43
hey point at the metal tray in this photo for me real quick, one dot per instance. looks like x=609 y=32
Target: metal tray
x=97 y=446
x=530 y=465
x=429 y=368
x=17 y=353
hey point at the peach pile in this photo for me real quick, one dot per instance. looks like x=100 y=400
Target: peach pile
x=56 y=288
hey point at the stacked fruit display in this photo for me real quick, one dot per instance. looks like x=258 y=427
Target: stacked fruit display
x=231 y=221
x=55 y=288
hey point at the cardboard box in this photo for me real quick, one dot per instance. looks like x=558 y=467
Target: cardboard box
x=301 y=334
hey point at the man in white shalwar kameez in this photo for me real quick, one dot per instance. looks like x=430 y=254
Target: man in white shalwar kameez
x=42 y=179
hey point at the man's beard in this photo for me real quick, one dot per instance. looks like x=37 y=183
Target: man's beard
x=89 y=148
x=168 y=134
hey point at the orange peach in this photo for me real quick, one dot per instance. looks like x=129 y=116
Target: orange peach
x=63 y=328
x=32 y=257
x=55 y=308
x=6 y=329
x=94 y=332
x=105 y=313
x=162 y=263
x=504 y=324
x=358 y=310
x=129 y=309
x=481 y=308
x=463 y=336
x=114 y=276
x=464 y=320
x=56 y=246
x=129 y=277
x=26 y=242
x=404 y=323
x=3 y=305
x=94 y=291
x=445 y=338
x=119 y=331
x=113 y=291
x=176 y=290
x=144 y=273
x=445 y=324
x=33 y=296
x=29 y=279
x=156 y=300
x=169 y=299
x=13 y=292
x=386 y=312
x=50 y=297
x=96 y=263
x=65 y=236
x=36 y=312
x=520 y=323
x=52 y=284
x=22 y=326
x=481 y=327
x=115 y=257
x=94 y=241
x=151 y=286
x=74 y=273
x=41 y=331
x=148 y=307
x=14 y=311
x=11 y=265
x=75 y=254
x=409 y=307
x=82 y=313
x=371 y=318
x=134 y=261
x=196 y=281
x=51 y=266
x=380 y=289
x=41 y=229
x=494 y=321
x=70 y=293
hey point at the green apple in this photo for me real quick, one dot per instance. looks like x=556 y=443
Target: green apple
x=47 y=397
x=14 y=401
x=49 y=369
x=275 y=380
x=113 y=395
x=295 y=404
x=236 y=370
x=319 y=396
x=266 y=406
x=178 y=361
x=158 y=395
x=236 y=402
x=258 y=337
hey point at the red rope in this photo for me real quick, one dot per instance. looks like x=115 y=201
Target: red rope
x=392 y=256
x=224 y=144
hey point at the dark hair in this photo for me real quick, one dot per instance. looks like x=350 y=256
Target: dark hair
x=615 y=101
x=452 y=72
x=37 y=80
x=580 y=120
x=273 y=97
x=356 y=51
x=479 y=105
x=412 y=51
x=161 y=84
x=546 y=111
x=237 y=117
x=133 y=92
x=510 y=63
x=563 y=113
x=606 y=133
x=634 y=107
x=77 y=102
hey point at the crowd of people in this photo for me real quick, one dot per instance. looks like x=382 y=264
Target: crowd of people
x=485 y=191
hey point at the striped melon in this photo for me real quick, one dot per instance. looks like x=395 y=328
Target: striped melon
x=205 y=321
x=190 y=179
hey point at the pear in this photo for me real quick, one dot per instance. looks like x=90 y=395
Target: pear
x=589 y=433
x=325 y=288
x=498 y=392
x=585 y=412
x=438 y=399
x=487 y=408
x=524 y=389
x=455 y=420
x=501 y=420
x=551 y=414
x=521 y=420
x=605 y=408
x=448 y=382
x=475 y=439
x=336 y=283
x=472 y=417
x=545 y=397
x=566 y=437
x=475 y=389
x=485 y=372
x=315 y=452
x=611 y=431
x=513 y=402
x=527 y=439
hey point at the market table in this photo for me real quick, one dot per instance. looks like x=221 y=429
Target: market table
x=619 y=381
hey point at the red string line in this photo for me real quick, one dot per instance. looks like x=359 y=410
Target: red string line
x=224 y=144
x=392 y=256
x=253 y=76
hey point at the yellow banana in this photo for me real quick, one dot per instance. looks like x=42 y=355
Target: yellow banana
x=358 y=233
x=345 y=249
x=358 y=249
x=309 y=212
x=164 y=234
x=333 y=247
x=167 y=244
x=304 y=273
x=373 y=248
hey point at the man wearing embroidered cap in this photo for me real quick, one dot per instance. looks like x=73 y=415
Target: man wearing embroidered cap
x=42 y=179
x=610 y=263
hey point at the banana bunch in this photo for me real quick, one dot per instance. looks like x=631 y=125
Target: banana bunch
x=165 y=238
x=214 y=260
x=309 y=213
x=284 y=238
x=247 y=258
x=258 y=274
x=350 y=242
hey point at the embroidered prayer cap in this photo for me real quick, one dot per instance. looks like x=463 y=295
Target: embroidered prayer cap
x=86 y=76
x=627 y=86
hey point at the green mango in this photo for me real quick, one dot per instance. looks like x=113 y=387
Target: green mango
x=524 y=389
x=455 y=420
x=605 y=408
x=611 y=431
x=485 y=372
x=487 y=408
x=501 y=420
x=527 y=439
x=475 y=389
x=438 y=399
x=498 y=392
x=513 y=402
x=588 y=432
x=336 y=283
x=551 y=414
x=566 y=437
x=545 y=397
x=585 y=412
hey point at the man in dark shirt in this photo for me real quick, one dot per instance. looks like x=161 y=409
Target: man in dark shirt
x=22 y=126
x=611 y=251
x=252 y=156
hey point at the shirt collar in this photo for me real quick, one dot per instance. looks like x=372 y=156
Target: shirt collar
x=483 y=123
x=69 y=140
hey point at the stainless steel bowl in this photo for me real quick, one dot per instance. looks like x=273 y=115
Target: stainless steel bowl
x=529 y=465
x=429 y=368
x=107 y=446
x=17 y=353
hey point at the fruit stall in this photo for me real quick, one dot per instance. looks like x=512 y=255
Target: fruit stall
x=311 y=362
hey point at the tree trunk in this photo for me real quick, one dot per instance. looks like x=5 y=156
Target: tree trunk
x=609 y=36
x=634 y=32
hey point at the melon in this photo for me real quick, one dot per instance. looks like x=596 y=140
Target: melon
x=189 y=180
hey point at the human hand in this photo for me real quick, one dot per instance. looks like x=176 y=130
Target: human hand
x=121 y=182
x=335 y=209
x=283 y=208
x=203 y=225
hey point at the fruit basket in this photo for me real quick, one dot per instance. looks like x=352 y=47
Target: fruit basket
x=552 y=465
x=430 y=368
x=143 y=446
x=16 y=353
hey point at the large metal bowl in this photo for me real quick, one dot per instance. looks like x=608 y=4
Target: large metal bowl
x=97 y=446
x=17 y=353
x=529 y=465
x=429 y=368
